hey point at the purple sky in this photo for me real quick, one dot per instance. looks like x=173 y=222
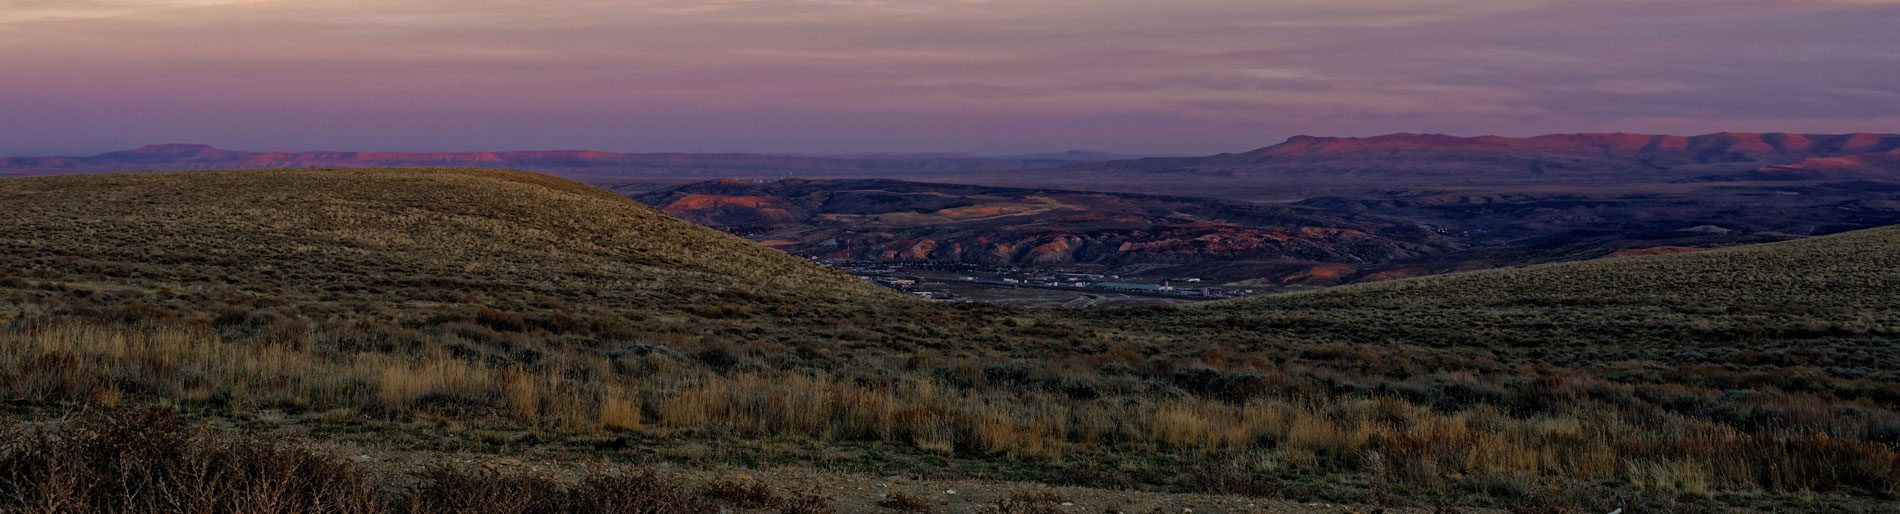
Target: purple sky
x=985 y=76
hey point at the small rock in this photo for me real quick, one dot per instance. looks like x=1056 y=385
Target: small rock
x=952 y=491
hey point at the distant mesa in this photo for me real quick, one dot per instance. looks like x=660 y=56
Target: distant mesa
x=1605 y=156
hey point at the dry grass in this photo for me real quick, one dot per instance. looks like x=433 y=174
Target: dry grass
x=900 y=501
x=497 y=298
x=743 y=493
x=142 y=461
x=1034 y=502
x=448 y=489
x=1389 y=438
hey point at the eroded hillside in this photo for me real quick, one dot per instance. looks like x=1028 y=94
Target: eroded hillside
x=895 y=221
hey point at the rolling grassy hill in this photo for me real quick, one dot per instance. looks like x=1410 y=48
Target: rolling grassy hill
x=1827 y=288
x=1792 y=334
x=419 y=311
x=495 y=262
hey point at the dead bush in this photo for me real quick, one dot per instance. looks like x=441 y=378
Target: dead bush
x=1028 y=502
x=905 y=502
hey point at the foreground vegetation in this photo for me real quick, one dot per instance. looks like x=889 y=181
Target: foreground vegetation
x=494 y=299
x=144 y=460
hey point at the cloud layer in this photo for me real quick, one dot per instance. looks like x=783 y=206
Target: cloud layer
x=894 y=75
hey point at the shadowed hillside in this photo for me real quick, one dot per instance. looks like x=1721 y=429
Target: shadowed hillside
x=889 y=220
x=1869 y=166
x=1318 y=241
x=425 y=313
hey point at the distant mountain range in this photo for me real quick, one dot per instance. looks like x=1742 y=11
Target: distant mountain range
x=1393 y=157
x=564 y=162
x=1067 y=156
x=1727 y=155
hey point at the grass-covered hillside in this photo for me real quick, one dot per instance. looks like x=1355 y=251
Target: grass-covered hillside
x=438 y=313
x=1792 y=334
x=1834 y=287
x=493 y=263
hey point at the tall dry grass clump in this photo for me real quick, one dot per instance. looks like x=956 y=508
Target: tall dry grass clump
x=1392 y=439
x=144 y=460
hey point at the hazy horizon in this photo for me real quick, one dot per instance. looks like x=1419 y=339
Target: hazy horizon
x=993 y=77
x=891 y=154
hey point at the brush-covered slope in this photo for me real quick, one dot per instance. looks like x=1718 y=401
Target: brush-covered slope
x=1779 y=298
x=391 y=257
x=1794 y=336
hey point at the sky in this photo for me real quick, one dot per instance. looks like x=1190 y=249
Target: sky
x=983 y=76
